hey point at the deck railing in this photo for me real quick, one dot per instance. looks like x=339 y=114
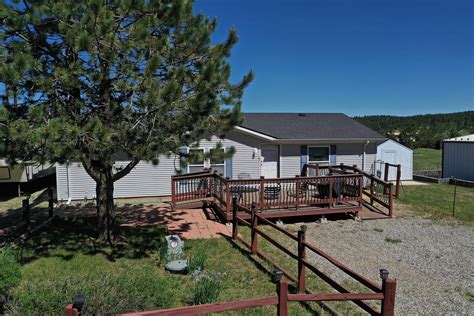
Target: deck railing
x=377 y=190
x=280 y=193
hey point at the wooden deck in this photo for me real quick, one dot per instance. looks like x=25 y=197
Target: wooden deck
x=344 y=190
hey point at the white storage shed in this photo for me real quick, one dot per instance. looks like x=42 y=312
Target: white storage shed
x=395 y=153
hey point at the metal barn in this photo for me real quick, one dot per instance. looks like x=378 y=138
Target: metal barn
x=395 y=153
x=458 y=158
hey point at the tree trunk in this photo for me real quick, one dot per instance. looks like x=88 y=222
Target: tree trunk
x=105 y=205
x=104 y=179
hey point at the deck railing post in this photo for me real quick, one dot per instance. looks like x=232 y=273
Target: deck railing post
x=399 y=175
x=317 y=170
x=235 y=222
x=71 y=310
x=297 y=190
x=282 y=293
x=301 y=257
x=371 y=190
x=385 y=176
x=330 y=180
x=51 y=202
x=262 y=193
x=173 y=193
x=388 y=289
x=227 y=196
x=254 y=221
x=27 y=214
x=390 y=197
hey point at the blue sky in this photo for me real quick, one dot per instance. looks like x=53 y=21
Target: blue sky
x=398 y=57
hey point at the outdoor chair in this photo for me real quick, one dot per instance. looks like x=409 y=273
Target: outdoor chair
x=202 y=186
x=302 y=192
x=271 y=192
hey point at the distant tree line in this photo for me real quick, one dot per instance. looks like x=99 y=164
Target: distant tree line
x=421 y=130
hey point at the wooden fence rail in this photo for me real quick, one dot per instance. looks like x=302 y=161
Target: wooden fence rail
x=381 y=292
x=384 y=293
x=24 y=227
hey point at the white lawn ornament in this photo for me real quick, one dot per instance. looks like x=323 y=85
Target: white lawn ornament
x=174 y=253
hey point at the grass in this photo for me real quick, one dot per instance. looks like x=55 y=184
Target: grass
x=436 y=201
x=393 y=240
x=15 y=202
x=426 y=159
x=66 y=260
x=469 y=295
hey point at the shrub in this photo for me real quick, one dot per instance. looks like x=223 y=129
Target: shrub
x=207 y=287
x=10 y=269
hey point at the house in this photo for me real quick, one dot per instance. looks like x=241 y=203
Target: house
x=394 y=153
x=458 y=158
x=23 y=176
x=267 y=144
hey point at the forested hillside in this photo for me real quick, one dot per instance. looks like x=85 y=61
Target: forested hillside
x=421 y=130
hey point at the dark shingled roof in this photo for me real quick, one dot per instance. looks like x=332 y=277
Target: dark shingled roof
x=308 y=126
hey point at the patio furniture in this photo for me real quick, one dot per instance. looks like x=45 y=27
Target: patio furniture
x=239 y=190
x=303 y=189
x=323 y=189
x=271 y=192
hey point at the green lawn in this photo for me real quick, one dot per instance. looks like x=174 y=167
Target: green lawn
x=436 y=201
x=65 y=260
x=426 y=159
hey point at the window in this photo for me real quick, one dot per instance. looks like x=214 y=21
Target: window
x=218 y=163
x=318 y=155
x=195 y=160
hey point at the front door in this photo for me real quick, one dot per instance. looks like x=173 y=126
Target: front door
x=269 y=161
x=390 y=157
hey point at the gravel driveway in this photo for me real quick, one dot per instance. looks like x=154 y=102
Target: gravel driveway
x=433 y=262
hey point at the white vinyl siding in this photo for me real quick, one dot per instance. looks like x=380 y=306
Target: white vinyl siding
x=144 y=180
x=290 y=160
x=246 y=158
x=403 y=156
x=349 y=154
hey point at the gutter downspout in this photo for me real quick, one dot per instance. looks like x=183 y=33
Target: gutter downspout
x=363 y=154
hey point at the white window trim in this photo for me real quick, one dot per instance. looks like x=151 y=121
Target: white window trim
x=206 y=161
x=197 y=165
x=321 y=162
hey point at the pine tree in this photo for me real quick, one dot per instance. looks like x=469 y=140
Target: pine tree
x=86 y=79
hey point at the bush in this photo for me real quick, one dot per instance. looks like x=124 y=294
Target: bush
x=207 y=287
x=10 y=269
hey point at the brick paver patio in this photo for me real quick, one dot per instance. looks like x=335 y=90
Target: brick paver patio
x=187 y=223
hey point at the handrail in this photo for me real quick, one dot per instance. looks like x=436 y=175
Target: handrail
x=192 y=175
